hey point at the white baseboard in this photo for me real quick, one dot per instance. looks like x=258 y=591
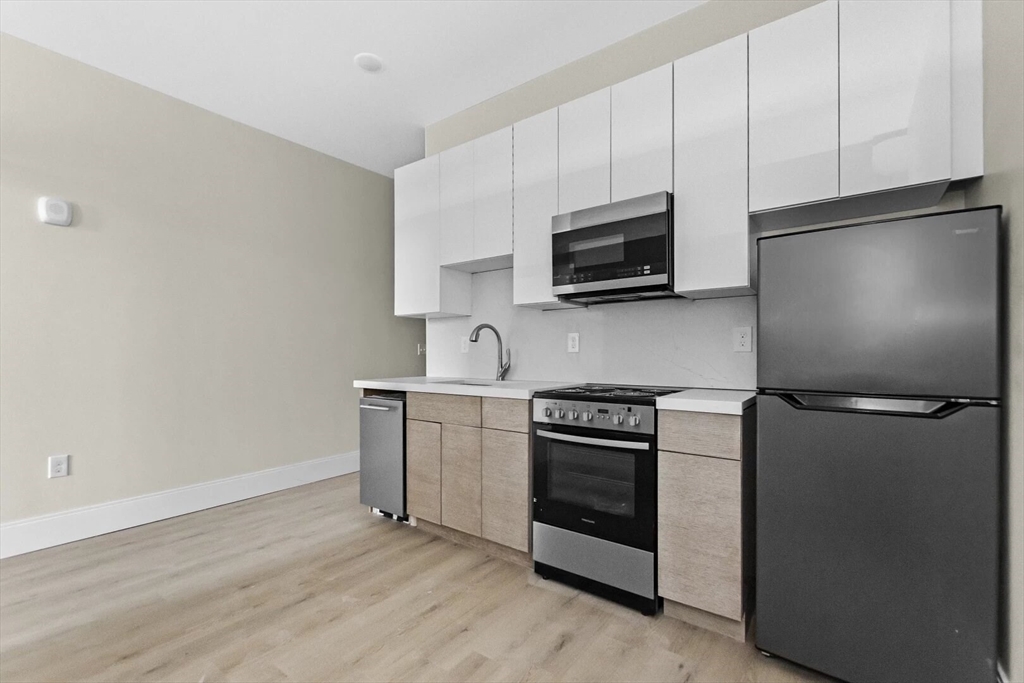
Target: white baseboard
x=36 y=533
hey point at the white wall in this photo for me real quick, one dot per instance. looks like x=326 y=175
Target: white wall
x=206 y=313
x=672 y=342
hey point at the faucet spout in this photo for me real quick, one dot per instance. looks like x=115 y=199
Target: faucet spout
x=504 y=359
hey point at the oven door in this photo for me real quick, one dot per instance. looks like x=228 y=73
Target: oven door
x=596 y=483
x=625 y=245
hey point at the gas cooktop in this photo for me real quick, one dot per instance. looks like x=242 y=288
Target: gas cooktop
x=610 y=393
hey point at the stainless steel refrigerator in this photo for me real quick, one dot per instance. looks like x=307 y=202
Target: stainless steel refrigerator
x=878 y=467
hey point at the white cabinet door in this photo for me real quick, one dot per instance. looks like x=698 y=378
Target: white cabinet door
x=492 y=171
x=711 y=225
x=423 y=289
x=894 y=76
x=417 y=266
x=584 y=152
x=535 y=199
x=642 y=134
x=794 y=109
x=456 y=169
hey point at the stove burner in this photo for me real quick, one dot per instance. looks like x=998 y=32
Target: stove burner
x=631 y=393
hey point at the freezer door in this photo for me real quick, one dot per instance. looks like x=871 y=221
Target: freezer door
x=877 y=542
x=382 y=454
x=907 y=307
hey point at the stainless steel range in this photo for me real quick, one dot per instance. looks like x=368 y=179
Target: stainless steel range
x=595 y=464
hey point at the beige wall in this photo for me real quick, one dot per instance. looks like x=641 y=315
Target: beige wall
x=1003 y=183
x=209 y=308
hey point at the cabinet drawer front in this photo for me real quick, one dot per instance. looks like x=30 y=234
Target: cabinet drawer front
x=699 y=533
x=460 y=478
x=720 y=436
x=506 y=488
x=510 y=414
x=446 y=408
x=423 y=469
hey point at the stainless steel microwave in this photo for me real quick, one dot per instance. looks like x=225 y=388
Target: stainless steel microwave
x=615 y=252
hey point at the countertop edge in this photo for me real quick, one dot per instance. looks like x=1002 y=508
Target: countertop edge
x=521 y=393
x=719 y=401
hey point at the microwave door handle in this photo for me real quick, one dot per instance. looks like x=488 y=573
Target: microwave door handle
x=591 y=441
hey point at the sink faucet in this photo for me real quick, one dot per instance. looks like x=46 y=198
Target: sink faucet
x=504 y=359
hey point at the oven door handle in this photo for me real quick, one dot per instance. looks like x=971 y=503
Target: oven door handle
x=591 y=441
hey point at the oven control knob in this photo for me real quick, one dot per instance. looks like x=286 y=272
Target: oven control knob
x=635 y=420
x=559 y=413
x=573 y=414
x=617 y=420
x=587 y=416
x=547 y=412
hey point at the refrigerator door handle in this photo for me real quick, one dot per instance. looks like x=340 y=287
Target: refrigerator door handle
x=867 y=404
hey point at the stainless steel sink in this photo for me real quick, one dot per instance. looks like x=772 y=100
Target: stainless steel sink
x=467 y=383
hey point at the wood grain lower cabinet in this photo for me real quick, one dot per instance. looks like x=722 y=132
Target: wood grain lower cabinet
x=423 y=469
x=443 y=408
x=461 y=478
x=700 y=559
x=506 y=488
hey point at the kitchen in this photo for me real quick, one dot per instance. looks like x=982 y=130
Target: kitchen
x=713 y=349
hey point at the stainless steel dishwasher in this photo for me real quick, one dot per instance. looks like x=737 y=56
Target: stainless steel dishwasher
x=382 y=453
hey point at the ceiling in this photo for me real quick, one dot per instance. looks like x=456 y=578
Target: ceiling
x=285 y=66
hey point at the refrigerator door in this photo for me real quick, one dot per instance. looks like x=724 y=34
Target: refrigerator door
x=907 y=307
x=382 y=454
x=877 y=542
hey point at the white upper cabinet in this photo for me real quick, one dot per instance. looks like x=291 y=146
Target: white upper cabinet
x=894 y=76
x=641 y=134
x=423 y=289
x=492 y=222
x=712 y=245
x=535 y=202
x=584 y=152
x=794 y=109
x=456 y=178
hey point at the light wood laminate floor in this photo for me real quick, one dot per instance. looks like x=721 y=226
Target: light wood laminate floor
x=305 y=585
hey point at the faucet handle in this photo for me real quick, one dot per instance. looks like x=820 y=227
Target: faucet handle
x=505 y=366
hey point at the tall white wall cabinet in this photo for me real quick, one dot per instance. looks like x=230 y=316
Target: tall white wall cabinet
x=894 y=94
x=535 y=194
x=641 y=135
x=584 y=152
x=423 y=288
x=712 y=237
x=456 y=180
x=492 y=199
x=794 y=109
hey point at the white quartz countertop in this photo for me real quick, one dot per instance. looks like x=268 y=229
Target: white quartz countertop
x=722 y=401
x=463 y=386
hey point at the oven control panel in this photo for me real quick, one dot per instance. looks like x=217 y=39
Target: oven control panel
x=614 y=417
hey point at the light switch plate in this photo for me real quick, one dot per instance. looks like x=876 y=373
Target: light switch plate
x=741 y=339
x=572 y=342
x=464 y=344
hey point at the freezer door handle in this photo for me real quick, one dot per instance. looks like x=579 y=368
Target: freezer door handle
x=867 y=404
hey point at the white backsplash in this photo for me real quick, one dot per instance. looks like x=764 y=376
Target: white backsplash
x=671 y=342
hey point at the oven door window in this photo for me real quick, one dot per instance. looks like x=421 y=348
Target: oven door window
x=603 y=490
x=589 y=479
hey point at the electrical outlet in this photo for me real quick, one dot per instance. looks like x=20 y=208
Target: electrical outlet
x=741 y=339
x=421 y=349
x=464 y=344
x=572 y=342
x=57 y=466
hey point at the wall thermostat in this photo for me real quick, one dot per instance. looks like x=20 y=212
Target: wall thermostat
x=54 y=211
